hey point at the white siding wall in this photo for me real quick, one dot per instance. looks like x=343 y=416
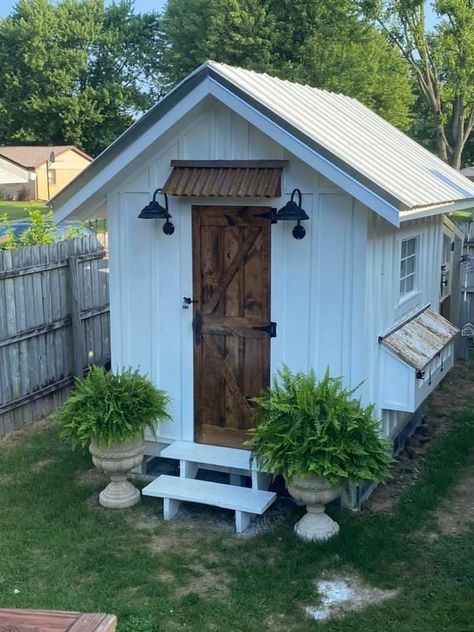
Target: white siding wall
x=13 y=174
x=383 y=290
x=317 y=283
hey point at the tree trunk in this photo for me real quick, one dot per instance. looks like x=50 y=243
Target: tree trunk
x=456 y=155
x=442 y=143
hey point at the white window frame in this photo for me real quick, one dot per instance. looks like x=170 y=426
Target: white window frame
x=412 y=275
x=410 y=300
x=51 y=176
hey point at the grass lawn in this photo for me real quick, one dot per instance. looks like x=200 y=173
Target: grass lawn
x=20 y=210
x=61 y=551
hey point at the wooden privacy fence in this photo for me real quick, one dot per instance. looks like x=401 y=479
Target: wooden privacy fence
x=54 y=321
x=467 y=284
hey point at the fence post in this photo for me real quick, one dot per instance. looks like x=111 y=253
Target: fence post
x=76 y=323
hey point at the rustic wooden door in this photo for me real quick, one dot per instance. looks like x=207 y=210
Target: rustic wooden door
x=232 y=329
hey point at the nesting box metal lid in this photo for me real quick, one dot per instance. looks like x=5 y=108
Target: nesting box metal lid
x=418 y=340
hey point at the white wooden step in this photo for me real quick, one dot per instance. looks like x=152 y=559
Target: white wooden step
x=242 y=500
x=213 y=455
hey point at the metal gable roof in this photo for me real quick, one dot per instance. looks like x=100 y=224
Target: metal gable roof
x=340 y=129
x=359 y=138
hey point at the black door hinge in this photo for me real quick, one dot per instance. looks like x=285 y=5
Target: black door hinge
x=270 y=329
x=271 y=215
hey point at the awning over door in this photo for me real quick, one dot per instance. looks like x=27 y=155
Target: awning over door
x=225 y=178
x=420 y=339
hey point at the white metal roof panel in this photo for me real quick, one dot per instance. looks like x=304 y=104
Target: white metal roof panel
x=358 y=137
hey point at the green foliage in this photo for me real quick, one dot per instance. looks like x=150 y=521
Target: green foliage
x=41 y=231
x=9 y=241
x=324 y=44
x=441 y=62
x=75 y=71
x=111 y=408
x=305 y=426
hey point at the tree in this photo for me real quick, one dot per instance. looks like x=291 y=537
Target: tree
x=75 y=71
x=442 y=63
x=324 y=44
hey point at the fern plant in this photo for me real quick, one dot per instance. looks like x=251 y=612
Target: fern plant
x=111 y=408
x=305 y=426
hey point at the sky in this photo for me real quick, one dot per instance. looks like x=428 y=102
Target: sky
x=140 y=5
x=149 y=5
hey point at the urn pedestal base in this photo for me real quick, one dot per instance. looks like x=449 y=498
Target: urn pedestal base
x=316 y=525
x=314 y=492
x=119 y=494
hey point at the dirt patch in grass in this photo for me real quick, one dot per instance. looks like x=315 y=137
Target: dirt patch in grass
x=206 y=582
x=455 y=516
x=13 y=438
x=343 y=594
x=448 y=398
x=40 y=465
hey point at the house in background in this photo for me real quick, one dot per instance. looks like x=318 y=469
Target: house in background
x=468 y=172
x=216 y=295
x=51 y=167
x=16 y=180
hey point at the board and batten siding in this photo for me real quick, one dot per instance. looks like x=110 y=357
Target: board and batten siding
x=383 y=306
x=317 y=284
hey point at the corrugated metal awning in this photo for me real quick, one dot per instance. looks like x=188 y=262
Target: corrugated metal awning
x=420 y=339
x=225 y=178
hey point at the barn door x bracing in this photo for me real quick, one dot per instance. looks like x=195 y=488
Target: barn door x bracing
x=232 y=329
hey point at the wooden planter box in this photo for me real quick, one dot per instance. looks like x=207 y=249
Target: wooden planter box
x=13 y=620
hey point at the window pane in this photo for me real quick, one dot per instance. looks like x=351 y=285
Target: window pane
x=404 y=249
x=409 y=284
x=410 y=265
x=411 y=243
x=403 y=268
x=402 y=287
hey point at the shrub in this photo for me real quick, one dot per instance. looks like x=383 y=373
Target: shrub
x=111 y=408
x=24 y=194
x=305 y=426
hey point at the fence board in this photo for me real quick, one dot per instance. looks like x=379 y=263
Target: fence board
x=467 y=284
x=40 y=309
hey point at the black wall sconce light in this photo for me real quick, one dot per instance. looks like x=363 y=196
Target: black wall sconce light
x=292 y=212
x=154 y=210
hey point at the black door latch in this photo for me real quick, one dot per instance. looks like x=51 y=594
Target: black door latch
x=187 y=302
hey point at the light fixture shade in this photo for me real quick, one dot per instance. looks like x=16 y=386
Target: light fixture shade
x=154 y=210
x=292 y=211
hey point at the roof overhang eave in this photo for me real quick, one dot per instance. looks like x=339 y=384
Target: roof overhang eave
x=427 y=210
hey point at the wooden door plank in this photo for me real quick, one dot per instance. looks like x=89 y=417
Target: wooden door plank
x=228 y=374
x=228 y=275
x=232 y=308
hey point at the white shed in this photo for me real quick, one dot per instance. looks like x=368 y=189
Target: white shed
x=212 y=308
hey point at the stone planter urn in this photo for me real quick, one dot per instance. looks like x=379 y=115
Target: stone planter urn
x=117 y=461
x=315 y=492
